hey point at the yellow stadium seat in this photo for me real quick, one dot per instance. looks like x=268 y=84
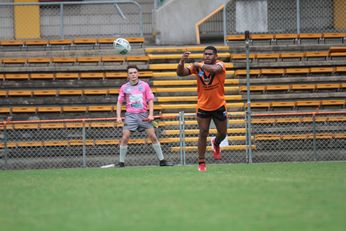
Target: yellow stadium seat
x=85 y=41
x=239 y=37
x=39 y=60
x=45 y=92
x=36 y=42
x=95 y=91
x=41 y=76
x=100 y=108
x=16 y=76
x=277 y=88
x=116 y=74
x=89 y=59
x=14 y=60
x=297 y=70
x=321 y=69
x=283 y=104
x=12 y=43
x=74 y=108
x=292 y=37
x=49 y=109
x=291 y=55
x=19 y=93
x=28 y=109
x=70 y=92
x=64 y=60
x=272 y=71
x=67 y=75
x=107 y=59
x=60 y=42
x=303 y=86
x=87 y=75
x=308 y=103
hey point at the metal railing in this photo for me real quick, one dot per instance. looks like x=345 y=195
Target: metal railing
x=76 y=19
x=275 y=137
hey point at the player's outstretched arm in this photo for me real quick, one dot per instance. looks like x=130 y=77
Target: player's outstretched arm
x=181 y=70
x=212 y=68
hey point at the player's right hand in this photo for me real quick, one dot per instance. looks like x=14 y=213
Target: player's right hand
x=185 y=56
x=119 y=120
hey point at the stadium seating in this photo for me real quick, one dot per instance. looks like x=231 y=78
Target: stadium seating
x=98 y=60
x=66 y=43
x=284 y=81
x=294 y=38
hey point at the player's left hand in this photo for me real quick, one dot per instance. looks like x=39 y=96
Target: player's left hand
x=150 y=118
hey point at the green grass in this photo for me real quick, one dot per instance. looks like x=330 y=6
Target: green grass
x=279 y=196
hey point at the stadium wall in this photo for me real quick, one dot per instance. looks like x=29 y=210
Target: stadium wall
x=179 y=28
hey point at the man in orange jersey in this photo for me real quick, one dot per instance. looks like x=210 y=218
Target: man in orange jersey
x=211 y=104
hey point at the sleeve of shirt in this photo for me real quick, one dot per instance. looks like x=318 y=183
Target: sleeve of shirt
x=121 y=96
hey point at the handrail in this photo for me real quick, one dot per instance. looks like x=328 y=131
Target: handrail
x=300 y=113
x=8 y=121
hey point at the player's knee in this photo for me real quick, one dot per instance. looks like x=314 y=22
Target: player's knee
x=223 y=136
x=153 y=138
x=125 y=140
x=203 y=132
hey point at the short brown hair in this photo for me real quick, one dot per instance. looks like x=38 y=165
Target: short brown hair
x=132 y=66
x=211 y=48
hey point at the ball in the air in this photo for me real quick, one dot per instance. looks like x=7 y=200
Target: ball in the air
x=121 y=46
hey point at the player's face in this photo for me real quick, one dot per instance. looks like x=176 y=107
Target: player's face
x=132 y=74
x=209 y=57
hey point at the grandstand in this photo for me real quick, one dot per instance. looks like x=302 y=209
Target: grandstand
x=59 y=93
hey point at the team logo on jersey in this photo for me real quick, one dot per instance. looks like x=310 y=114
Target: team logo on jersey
x=205 y=79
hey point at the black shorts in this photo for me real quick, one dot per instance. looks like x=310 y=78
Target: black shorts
x=219 y=114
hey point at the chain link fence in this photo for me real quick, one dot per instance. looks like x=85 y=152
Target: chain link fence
x=95 y=142
x=58 y=20
x=299 y=137
x=78 y=143
x=285 y=16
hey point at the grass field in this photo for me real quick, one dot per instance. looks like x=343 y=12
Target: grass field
x=278 y=196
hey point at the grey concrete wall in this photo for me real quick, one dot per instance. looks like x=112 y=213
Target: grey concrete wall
x=175 y=21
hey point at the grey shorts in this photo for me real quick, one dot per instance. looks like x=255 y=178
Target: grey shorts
x=134 y=121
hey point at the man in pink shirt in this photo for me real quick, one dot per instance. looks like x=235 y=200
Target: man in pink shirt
x=139 y=98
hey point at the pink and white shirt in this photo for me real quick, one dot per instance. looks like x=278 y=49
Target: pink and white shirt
x=136 y=96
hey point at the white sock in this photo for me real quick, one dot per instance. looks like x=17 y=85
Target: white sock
x=158 y=150
x=123 y=151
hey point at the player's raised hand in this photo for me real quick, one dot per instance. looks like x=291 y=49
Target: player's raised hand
x=185 y=56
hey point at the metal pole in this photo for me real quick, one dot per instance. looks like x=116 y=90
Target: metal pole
x=62 y=21
x=5 y=146
x=184 y=144
x=314 y=136
x=224 y=26
x=182 y=137
x=248 y=114
x=141 y=21
x=298 y=15
x=84 y=145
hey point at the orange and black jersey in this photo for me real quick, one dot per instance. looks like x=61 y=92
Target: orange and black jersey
x=210 y=87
